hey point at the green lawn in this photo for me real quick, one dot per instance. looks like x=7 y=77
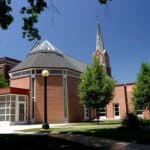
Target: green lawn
x=110 y=130
x=79 y=127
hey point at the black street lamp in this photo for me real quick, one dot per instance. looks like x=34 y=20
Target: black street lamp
x=45 y=124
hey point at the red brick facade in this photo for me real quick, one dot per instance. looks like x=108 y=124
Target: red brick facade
x=74 y=106
x=23 y=83
x=55 y=98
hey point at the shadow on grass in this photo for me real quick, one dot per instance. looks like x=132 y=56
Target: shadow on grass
x=41 y=142
x=122 y=134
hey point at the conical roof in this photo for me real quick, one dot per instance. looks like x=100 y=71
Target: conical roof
x=45 y=55
x=45 y=46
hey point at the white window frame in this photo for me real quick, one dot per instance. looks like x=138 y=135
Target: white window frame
x=103 y=116
x=114 y=110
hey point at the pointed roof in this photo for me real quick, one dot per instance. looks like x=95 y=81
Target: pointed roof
x=99 y=40
x=45 y=55
x=45 y=46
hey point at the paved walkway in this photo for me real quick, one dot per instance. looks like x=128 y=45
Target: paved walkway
x=14 y=128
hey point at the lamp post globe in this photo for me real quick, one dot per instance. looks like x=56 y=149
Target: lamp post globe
x=45 y=73
x=45 y=124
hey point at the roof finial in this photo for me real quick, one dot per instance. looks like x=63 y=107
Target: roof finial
x=99 y=40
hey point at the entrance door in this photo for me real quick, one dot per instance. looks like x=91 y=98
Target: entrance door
x=22 y=112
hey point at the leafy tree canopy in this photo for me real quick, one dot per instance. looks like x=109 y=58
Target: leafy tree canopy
x=3 y=82
x=142 y=88
x=104 y=1
x=32 y=12
x=96 y=87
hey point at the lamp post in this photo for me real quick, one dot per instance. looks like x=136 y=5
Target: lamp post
x=45 y=124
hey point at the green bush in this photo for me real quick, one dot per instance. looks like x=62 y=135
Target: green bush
x=131 y=121
x=145 y=122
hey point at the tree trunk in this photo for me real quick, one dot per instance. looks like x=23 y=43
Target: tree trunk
x=97 y=115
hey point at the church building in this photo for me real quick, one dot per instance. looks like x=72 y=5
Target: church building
x=23 y=100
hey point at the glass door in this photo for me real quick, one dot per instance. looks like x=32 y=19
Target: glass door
x=22 y=112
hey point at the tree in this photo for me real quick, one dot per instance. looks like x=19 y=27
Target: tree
x=141 y=92
x=103 y=1
x=96 y=87
x=32 y=12
x=3 y=81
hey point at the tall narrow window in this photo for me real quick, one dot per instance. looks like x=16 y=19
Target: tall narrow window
x=33 y=87
x=65 y=97
x=102 y=112
x=116 y=110
x=33 y=96
x=86 y=113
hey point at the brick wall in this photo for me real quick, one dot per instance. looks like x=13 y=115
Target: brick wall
x=23 y=83
x=130 y=96
x=55 y=99
x=75 y=107
x=146 y=114
x=119 y=98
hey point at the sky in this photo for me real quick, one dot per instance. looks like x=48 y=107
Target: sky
x=71 y=27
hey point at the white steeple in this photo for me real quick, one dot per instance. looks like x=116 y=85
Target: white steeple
x=99 y=40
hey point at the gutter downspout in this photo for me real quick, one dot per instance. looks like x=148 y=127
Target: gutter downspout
x=126 y=98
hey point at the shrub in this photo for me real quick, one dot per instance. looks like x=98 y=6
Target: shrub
x=145 y=122
x=131 y=121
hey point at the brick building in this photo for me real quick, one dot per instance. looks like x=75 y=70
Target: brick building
x=23 y=101
x=6 y=64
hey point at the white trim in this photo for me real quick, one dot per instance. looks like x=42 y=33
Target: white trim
x=103 y=117
x=21 y=73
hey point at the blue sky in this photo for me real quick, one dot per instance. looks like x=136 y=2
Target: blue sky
x=125 y=26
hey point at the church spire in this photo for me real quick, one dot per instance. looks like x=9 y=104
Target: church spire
x=99 y=41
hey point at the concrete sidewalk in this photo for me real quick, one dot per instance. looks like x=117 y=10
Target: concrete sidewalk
x=14 y=128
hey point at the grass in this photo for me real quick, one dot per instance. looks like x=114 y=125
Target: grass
x=78 y=127
x=103 y=130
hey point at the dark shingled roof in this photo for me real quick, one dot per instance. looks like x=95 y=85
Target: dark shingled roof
x=45 y=55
